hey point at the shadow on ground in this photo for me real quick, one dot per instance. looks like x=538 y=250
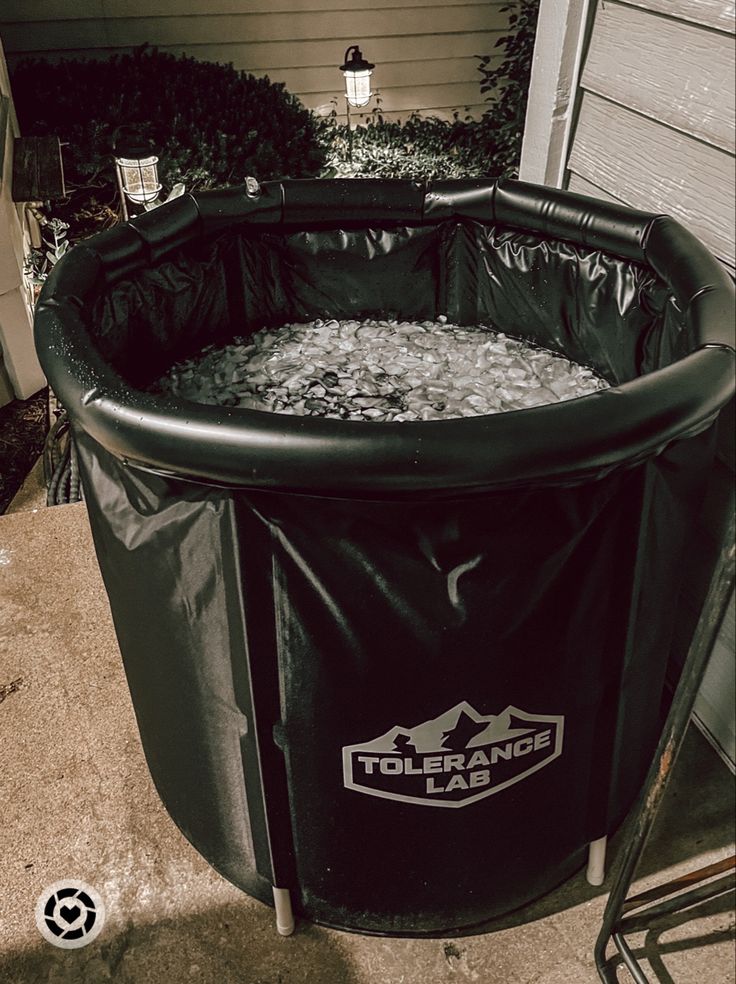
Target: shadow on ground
x=223 y=945
x=696 y=818
x=236 y=943
x=655 y=953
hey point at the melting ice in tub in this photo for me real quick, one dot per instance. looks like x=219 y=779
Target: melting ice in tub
x=380 y=371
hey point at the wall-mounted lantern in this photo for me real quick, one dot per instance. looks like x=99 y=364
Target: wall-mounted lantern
x=357 y=72
x=137 y=173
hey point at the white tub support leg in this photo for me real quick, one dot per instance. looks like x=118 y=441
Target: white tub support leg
x=596 y=873
x=284 y=913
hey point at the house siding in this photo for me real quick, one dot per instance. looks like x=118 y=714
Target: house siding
x=655 y=130
x=656 y=120
x=20 y=373
x=664 y=69
x=424 y=50
x=709 y=13
x=651 y=166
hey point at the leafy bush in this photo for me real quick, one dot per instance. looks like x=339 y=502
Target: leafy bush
x=54 y=244
x=508 y=83
x=429 y=147
x=421 y=148
x=210 y=124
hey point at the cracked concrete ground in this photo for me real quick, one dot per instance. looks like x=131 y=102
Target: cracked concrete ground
x=77 y=802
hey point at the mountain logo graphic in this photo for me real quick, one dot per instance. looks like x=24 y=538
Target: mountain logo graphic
x=455 y=759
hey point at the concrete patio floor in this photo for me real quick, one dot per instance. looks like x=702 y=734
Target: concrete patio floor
x=77 y=802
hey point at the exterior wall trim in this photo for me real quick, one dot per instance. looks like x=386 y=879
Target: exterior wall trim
x=558 y=56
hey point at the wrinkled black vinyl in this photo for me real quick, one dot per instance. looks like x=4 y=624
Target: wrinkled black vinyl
x=555 y=601
x=551 y=293
x=268 y=631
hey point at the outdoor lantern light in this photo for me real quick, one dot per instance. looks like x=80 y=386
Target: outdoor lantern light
x=137 y=173
x=357 y=72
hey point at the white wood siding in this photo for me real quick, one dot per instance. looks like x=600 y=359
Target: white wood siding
x=656 y=130
x=423 y=49
x=656 y=121
x=551 y=105
x=583 y=187
x=671 y=71
x=712 y=13
x=651 y=166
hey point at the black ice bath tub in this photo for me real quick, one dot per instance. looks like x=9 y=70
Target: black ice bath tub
x=402 y=672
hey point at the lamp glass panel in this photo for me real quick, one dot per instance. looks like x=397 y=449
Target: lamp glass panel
x=140 y=178
x=358 y=87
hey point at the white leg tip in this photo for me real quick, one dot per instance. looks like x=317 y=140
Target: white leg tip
x=284 y=913
x=596 y=872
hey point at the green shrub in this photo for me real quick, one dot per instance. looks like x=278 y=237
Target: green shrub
x=429 y=147
x=421 y=148
x=508 y=85
x=210 y=124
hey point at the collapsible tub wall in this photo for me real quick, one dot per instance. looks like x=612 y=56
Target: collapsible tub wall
x=323 y=622
x=469 y=271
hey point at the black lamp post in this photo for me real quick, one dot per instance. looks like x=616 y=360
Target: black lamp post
x=357 y=72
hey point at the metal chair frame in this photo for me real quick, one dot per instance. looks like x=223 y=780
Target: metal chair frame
x=700 y=885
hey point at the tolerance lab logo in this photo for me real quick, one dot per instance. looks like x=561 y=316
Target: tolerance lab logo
x=70 y=914
x=455 y=759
